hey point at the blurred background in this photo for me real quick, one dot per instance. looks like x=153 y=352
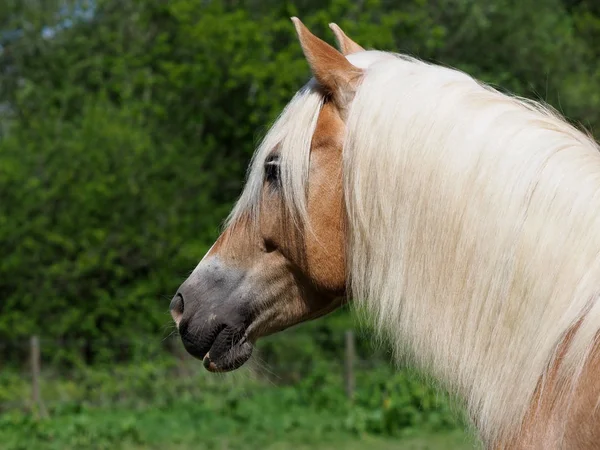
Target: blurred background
x=125 y=131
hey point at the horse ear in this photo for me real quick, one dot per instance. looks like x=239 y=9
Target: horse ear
x=347 y=46
x=330 y=68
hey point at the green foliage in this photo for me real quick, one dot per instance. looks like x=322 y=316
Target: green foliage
x=91 y=243
x=165 y=401
x=124 y=138
x=80 y=431
x=393 y=403
x=126 y=128
x=125 y=131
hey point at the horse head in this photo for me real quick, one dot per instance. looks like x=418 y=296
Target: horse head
x=281 y=258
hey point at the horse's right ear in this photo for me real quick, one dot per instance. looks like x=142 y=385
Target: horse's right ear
x=347 y=46
x=330 y=68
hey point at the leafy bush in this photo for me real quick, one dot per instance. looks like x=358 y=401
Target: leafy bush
x=80 y=431
x=126 y=134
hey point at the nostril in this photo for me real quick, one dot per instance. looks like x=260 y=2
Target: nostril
x=176 y=307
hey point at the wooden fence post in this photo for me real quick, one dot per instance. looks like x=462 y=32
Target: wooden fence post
x=349 y=381
x=35 y=377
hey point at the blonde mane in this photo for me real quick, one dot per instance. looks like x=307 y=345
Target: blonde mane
x=474 y=227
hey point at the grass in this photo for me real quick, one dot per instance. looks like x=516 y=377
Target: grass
x=271 y=420
x=187 y=427
x=167 y=404
x=441 y=441
x=456 y=440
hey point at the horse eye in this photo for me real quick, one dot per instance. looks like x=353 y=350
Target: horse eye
x=272 y=169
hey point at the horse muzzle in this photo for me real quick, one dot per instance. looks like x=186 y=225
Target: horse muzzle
x=212 y=312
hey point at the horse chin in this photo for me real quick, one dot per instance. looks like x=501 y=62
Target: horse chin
x=222 y=348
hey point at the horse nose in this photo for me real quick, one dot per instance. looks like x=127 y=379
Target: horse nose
x=176 y=307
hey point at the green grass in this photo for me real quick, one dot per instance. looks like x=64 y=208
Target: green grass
x=438 y=441
x=169 y=405
x=188 y=426
x=271 y=419
x=441 y=441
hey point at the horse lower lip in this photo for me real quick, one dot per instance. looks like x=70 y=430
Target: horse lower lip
x=222 y=348
x=233 y=358
x=208 y=364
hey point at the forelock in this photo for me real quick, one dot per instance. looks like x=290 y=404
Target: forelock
x=291 y=135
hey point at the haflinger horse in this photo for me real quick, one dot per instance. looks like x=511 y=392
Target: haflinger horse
x=463 y=221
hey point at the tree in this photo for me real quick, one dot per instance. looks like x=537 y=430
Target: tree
x=128 y=127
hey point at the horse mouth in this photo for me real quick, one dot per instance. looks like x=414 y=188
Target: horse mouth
x=225 y=348
x=232 y=360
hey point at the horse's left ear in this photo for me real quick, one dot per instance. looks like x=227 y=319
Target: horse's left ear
x=330 y=68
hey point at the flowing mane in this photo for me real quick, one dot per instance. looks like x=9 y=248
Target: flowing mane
x=474 y=227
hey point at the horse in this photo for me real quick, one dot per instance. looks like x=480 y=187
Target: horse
x=463 y=221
